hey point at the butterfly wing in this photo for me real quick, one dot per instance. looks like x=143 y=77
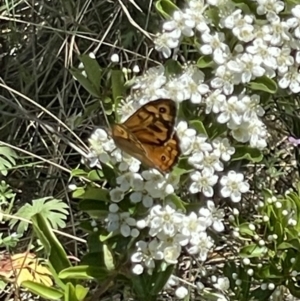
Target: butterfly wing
x=154 y=122
x=163 y=157
x=126 y=141
x=148 y=135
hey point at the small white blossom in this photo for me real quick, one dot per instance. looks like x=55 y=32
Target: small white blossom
x=186 y=136
x=213 y=216
x=233 y=186
x=223 y=149
x=181 y=292
x=115 y=58
x=179 y=25
x=200 y=246
x=203 y=182
x=164 y=219
x=213 y=44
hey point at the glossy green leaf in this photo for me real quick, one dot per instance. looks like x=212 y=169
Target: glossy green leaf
x=166 y=8
x=108 y=258
x=172 y=67
x=248 y=153
x=94 y=193
x=205 y=62
x=198 y=126
x=253 y=250
x=57 y=256
x=81 y=292
x=92 y=69
x=84 y=272
x=117 y=86
x=45 y=292
x=264 y=84
x=95 y=91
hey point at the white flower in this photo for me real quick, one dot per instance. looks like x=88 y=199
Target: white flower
x=154 y=76
x=115 y=58
x=231 y=111
x=124 y=181
x=223 y=149
x=294 y=22
x=252 y=108
x=203 y=182
x=181 y=292
x=213 y=216
x=215 y=101
x=136 y=69
x=192 y=225
x=233 y=186
x=116 y=195
x=194 y=88
x=98 y=142
x=179 y=25
x=145 y=255
x=224 y=79
x=290 y=79
x=240 y=25
x=269 y=7
x=164 y=42
x=263 y=53
x=125 y=109
x=222 y=284
x=165 y=220
x=171 y=254
x=186 y=136
x=284 y=59
x=195 y=12
x=211 y=161
x=175 y=89
x=129 y=163
x=247 y=66
x=126 y=224
x=200 y=245
x=213 y=44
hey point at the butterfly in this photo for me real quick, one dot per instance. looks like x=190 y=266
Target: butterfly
x=148 y=135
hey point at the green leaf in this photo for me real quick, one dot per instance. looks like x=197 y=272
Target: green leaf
x=109 y=174
x=117 y=86
x=81 y=292
x=93 y=193
x=95 y=91
x=108 y=258
x=53 y=209
x=248 y=153
x=265 y=84
x=205 y=62
x=57 y=255
x=45 y=292
x=166 y=8
x=177 y=201
x=9 y=159
x=160 y=279
x=172 y=67
x=95 y=175
x=92 y=69
x=198 y=126
x=84 y=272
x=95 y=208
x=253 y=251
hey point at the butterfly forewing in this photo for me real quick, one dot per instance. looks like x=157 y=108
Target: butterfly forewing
x=148 y=135
x=153 y=122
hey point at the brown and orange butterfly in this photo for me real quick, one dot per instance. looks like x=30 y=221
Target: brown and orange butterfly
x=148 y=135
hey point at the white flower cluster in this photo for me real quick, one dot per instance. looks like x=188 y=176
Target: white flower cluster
x=271 y=48
x=207 y=159
x=172 y=231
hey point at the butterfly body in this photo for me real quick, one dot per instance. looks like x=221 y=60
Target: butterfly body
x=148 y=135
